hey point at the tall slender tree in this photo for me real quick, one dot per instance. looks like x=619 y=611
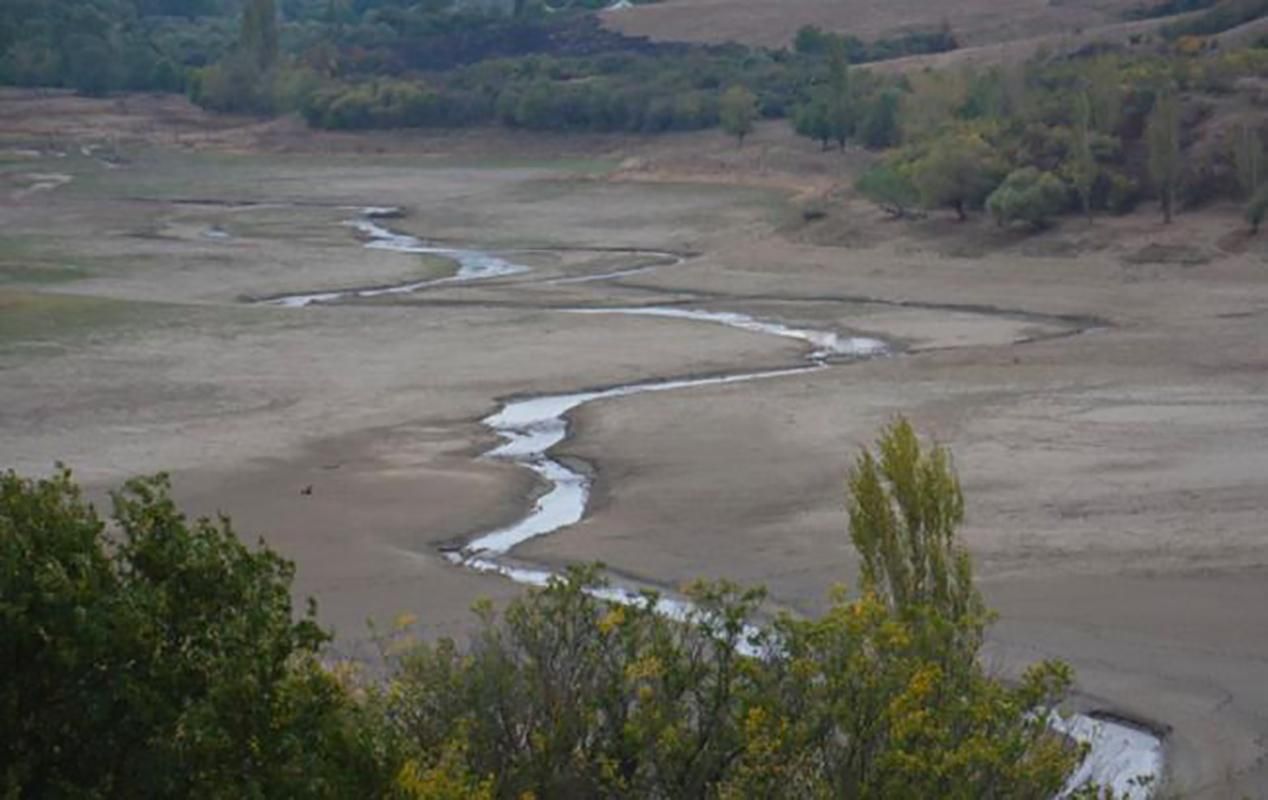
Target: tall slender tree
x=1248 y=156
x=258 y=38
x=1162 y=135
x=840 y=97
x=1083 y=168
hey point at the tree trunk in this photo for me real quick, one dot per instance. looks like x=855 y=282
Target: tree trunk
x=959 y=210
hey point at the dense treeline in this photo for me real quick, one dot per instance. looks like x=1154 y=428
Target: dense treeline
x=164 y=660
x=1100 y=132
x=97 y=46
x=1059 y=134
x=627 y=85
x=1219 y=17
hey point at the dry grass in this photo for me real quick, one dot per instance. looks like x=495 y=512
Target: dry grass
x=771 y=23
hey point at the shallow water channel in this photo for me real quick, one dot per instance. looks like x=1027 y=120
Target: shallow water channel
x=1120 y=755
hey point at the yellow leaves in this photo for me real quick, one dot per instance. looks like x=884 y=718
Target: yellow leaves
x=404 y=621
x=648 y=667
x=612 y=620
x=447 y=780
x=1190 y=45
x=894 y=635
x=910 y=712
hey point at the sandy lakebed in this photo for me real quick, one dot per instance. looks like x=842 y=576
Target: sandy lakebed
x=1104 y=390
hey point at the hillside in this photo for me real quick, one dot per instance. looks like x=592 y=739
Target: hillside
x=761 y=22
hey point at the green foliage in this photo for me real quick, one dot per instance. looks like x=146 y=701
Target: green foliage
x=1222 y=16
x=1028 y=195
x=811 y=120
x=957 y=172
x=1256 y=209
x=258 y=39
x=890 y=189
x=1081 y=164
x=813 y=40
x=166 y=661
x=1168 y=8
x=1248 y=158
x=879 y=128
x=163 y=660
x=839 y=100
x=570 y=695
x=1162 y=135
x=737 y=112
x=98 y=46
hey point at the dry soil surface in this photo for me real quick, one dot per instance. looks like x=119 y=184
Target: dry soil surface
x=1104 y=390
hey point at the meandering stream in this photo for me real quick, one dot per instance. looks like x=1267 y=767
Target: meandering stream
x=530 y=427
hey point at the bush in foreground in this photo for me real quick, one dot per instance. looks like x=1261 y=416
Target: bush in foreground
x=161 y=659
x=164 y=659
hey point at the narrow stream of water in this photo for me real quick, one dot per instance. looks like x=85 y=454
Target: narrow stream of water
x=473 y=265
x=529 y=428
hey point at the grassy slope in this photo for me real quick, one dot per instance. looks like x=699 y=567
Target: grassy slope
x=975 y=22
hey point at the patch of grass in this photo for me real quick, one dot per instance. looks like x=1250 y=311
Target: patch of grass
x=435 y=266
x=28 y=315
x=25 y=260
x=35 y=272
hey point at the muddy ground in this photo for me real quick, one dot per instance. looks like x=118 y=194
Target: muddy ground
x=1105 y=390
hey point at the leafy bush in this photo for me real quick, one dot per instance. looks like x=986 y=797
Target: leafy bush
x=161 y=661
x=568 y=695
x=957 y=172
x=1030 y=196
x=890 y=189
x=166 y=661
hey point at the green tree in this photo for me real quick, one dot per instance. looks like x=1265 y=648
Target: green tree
x=738 y=112
x=91 y=63
x=1103 y=81
x=258 y=37
x=567 y=694
x=1248 y=158
x=879 y=128
x=959 y=171
x=161 y=660
x=1162 y=136
x=1027 y=195
x=811 y=120
x=1256 y=209
x=890 y=189
x=840 y=97
x=1082 y=167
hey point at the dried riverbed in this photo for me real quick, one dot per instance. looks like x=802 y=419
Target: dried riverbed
x=1121 y=756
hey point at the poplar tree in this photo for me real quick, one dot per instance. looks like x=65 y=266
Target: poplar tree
x=259 y=32
x=1248 y=156
x=1162 y=135
x=840 y=100
x=1083 y=163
